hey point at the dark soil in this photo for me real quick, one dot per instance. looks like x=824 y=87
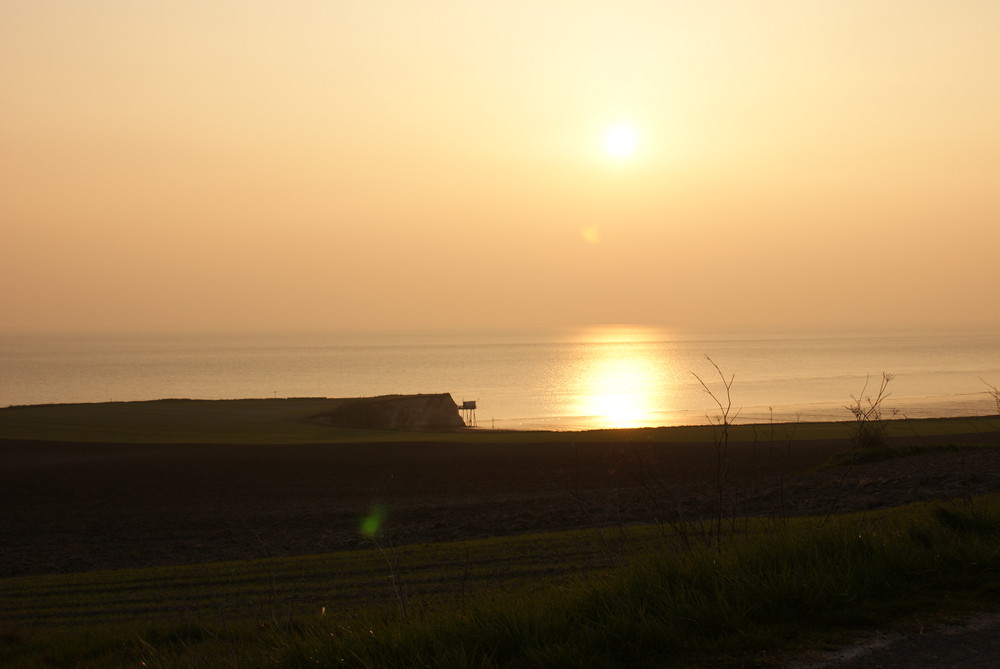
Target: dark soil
x=67 y=507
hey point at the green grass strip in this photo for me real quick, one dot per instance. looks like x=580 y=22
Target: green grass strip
x=653 y=604
x=706 y=607
x=304 y=585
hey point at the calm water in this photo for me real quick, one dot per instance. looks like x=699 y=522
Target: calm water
x=605 y=376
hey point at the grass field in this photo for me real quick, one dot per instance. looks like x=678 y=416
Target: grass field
x=696 y=592
x=303 y=585
x=537 y=601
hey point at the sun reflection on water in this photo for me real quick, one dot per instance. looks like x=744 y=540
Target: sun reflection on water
x=621 y=381
x=617 y=392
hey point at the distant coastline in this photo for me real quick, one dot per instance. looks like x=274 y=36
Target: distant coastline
x=425 y=418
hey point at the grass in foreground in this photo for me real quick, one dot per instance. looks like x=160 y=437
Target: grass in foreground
x=301 y=586
x=772 y=590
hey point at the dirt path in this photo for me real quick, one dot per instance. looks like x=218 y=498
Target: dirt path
x=968 y=644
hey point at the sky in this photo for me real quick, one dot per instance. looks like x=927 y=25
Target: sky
x=321 y=164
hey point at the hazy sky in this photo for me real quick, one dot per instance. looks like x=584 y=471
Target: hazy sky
x=442 y=164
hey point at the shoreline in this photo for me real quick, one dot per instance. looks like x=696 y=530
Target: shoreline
x=184 y=420
x=975 y=405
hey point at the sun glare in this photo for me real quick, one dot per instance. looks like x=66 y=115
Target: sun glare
x=618 y=387
x=620 y=140
x=618 y=397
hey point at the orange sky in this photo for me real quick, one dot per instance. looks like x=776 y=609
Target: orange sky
x=357 y=165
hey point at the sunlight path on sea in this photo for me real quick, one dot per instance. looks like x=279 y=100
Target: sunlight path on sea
x=622 y=382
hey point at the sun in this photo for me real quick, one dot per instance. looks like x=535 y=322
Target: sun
x=620 y=140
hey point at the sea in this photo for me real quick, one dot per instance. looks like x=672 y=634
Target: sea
x=608 y=376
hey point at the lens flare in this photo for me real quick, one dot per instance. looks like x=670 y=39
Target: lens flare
x=372 y=523
x=591 y=234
